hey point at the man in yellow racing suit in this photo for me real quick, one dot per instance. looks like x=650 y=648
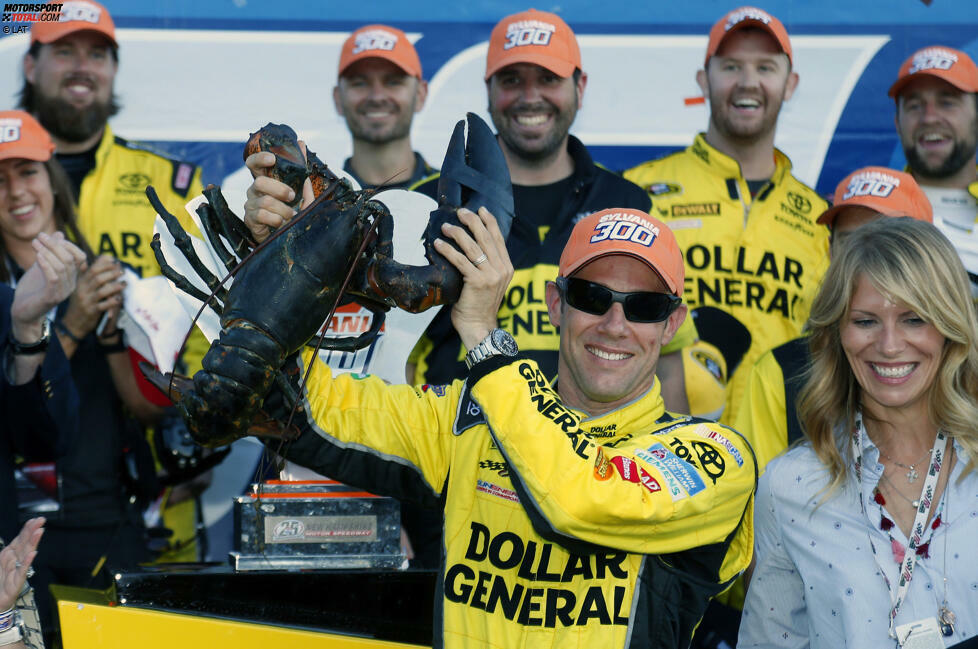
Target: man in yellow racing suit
x=585 y=516
x=754 y=253
x=759 y=258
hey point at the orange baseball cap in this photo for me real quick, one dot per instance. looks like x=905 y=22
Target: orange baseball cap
x=747 y=17
x=536 y=37
x=382 y=42
x=22 y=137
x=889 y=192
x=953 y=66
x=624 y=231
x=76 y=16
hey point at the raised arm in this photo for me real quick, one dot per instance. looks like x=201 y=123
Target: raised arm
x=46 y=284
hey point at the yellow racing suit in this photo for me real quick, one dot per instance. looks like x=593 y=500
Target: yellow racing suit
x=760 y=259
x=560 y=530
x=768 y=414
x=116 y=219
x=114 y=214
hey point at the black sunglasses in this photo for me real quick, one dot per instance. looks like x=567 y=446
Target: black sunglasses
x=640 y=306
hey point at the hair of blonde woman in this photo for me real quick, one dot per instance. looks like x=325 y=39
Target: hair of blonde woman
x=912 y=263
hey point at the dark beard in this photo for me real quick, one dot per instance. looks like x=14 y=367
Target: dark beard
x=71 y=124
x=543 y=149
x=962 y=154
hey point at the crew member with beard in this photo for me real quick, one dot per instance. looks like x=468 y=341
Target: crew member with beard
x=535 y=84
x=69 y=76
x=936 y=96
x=754 y=253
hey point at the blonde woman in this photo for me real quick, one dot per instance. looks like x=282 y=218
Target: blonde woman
x=865 y=532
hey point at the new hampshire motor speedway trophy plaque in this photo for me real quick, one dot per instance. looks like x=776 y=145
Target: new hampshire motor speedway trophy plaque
x=292 y=525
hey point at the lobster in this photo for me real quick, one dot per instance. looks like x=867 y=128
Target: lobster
x=336 y=250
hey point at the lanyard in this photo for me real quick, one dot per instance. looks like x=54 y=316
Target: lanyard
x=919 y=521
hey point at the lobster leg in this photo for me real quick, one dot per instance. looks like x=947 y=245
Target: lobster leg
x=179 y=280
x=183 y=243
x=233 y=229
x=211 y=227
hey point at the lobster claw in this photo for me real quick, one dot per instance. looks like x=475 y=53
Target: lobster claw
x=290 y=167
x=474 y=174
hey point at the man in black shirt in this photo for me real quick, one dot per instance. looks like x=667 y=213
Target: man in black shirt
x=535 y=85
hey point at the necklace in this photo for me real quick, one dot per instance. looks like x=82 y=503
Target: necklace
x=912 y=474
x=913 y=503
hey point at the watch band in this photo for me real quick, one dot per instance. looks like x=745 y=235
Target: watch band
x=497 y=343
x=477 y=353
x=37 y=347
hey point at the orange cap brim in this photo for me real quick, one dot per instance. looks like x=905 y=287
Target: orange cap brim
x=60 y=30
x=899 y=84
x=27 y=152
x=558 y=66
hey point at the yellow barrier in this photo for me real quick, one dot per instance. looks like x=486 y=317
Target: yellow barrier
x=89 y=624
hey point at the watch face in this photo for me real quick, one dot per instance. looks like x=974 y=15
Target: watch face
x=504 y=342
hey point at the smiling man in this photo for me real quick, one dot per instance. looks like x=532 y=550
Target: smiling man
x=936 y=96
x=579 y=515
x=379 y=90
x=69 y=85
x=535 y=85
x=754 y=253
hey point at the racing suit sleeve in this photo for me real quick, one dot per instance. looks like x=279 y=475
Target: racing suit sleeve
x=393 y=440
x=761 y=416
x=638 y=496
x=775 y=613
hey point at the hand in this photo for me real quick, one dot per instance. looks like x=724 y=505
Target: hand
x=99 y=291
x=15 y=560
x=484 y=283
x=267 y=207
x=47 y=283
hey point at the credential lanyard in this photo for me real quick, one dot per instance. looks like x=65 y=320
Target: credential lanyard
x=919 y=521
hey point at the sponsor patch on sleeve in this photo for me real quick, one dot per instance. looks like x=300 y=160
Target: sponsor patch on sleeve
x=495 y=490
x=626 y=468
x=602 y=466
x=434 y=389
x=670 y=465
x=650 y=483
x=705 y=431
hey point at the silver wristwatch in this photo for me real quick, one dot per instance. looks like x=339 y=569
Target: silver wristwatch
x=497 y=343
